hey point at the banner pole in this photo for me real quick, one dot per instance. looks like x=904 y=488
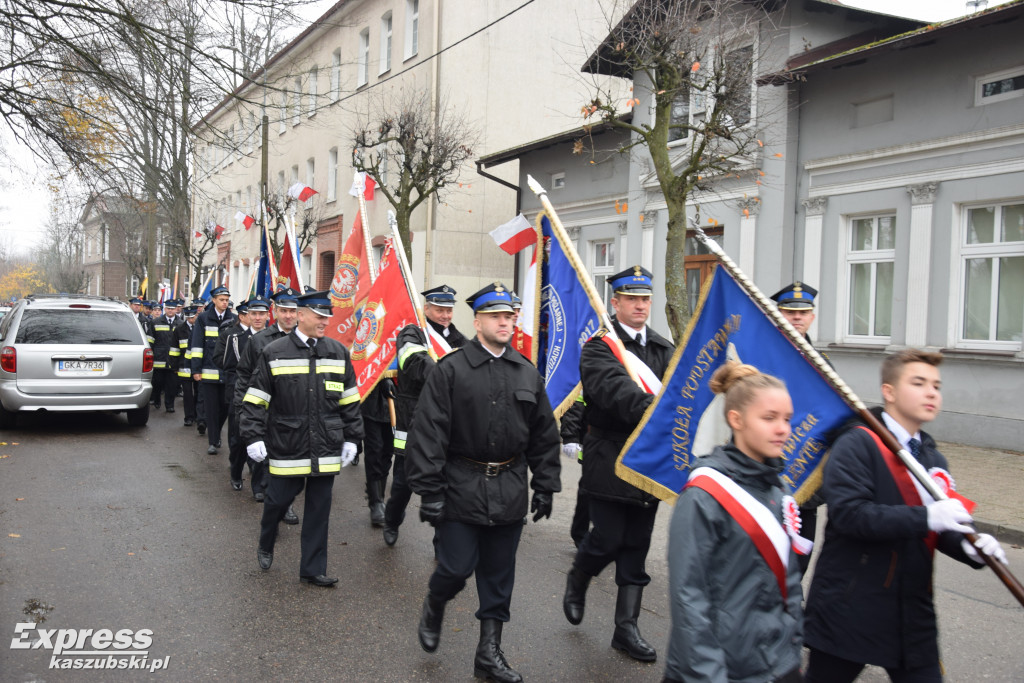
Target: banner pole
x=1004 y=574
x=581 y=272
x=366 y=237
x=403 y=263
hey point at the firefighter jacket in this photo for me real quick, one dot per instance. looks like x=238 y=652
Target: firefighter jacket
x=180 y=353
x=230 y=345
x=161 y=336
x=303 y=403
x=615 y=405
x=414 y=367
x=480 y=424
x=204 y=341
x=247 y=363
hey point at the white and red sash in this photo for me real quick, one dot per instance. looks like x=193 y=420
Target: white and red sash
x=651 y=383
x=754 y=517
x=438 y=342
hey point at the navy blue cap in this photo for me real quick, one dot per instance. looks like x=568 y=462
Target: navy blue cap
x=174 y=302
x=494 y=298
x=285 y=298
x=257 y=303
x=517 y=302
x=242 y=308
x=440 y=296
x=135 y=300
x=191 y=310
x=200 y=302
x=633 y=281
x=795 y=297
x=220 y=290
x=308 y=289
x=318 y=302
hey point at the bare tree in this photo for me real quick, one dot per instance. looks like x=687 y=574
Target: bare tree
x=60 y=256
x=411 y=152
x=692 y=65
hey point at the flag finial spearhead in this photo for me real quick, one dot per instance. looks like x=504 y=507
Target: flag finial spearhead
x=535 y=186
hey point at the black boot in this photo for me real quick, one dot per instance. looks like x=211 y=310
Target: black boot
x=375 y=491
x=430 y=622
x=575 y=595
x=627 y=636
x=490 y=660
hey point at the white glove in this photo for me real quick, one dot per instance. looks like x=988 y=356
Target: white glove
x=986 y=544
x=348 y=453
x=949 y=515
x=571 y=450
x=257 y=451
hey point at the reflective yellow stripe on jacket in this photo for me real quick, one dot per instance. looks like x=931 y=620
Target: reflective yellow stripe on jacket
x=254 y=395
x=293 y=468
x=400 y=439
x=330 y=365
x=211 y=331
x=349 y=396
x=407 y=351
x=289 y=366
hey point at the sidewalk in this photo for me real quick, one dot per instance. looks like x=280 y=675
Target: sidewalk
x=993 y=479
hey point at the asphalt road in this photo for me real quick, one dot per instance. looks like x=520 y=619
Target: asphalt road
x=109 y=526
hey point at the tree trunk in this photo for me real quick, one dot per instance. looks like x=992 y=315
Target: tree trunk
x=677 y=305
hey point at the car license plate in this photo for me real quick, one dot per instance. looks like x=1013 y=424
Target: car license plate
x=78 y=366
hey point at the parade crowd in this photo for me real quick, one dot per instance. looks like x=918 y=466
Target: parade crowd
x=465 y=424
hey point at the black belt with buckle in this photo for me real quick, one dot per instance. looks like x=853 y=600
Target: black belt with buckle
x=490 y=469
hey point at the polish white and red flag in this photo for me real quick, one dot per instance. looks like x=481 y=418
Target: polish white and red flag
x=301 y=192
x=522 y=338
x=515 y=235
x=362 y=184
x=245 y=219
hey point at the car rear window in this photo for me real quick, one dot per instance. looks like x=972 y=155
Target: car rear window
x=71 y=326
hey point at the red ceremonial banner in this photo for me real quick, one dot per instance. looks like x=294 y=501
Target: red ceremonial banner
x=350 y=285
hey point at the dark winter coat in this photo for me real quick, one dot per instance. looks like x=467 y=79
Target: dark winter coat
x=729 y=619
x=250 y=354
x=476 y=408
x=205 y=334
x=414 y=367
x=615 y=405
x=870 y=599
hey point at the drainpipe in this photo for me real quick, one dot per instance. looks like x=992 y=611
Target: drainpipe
x=519 y=202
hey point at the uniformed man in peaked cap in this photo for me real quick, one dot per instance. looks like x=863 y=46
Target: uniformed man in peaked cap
x=181 y=360
x=438 y=306
x=483 y=420
x=205 y=370
x=301 y=414
x=622 y=515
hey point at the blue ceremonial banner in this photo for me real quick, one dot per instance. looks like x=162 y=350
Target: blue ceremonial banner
x=687 y=420
x=567 y=320
x=264 y=275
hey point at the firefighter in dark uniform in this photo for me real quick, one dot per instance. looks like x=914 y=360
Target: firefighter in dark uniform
x=482 y=422
x=572 y=429
x=181 y=362
x=622 y=515
x=164 y=388
x=230 y=348
x=301 y=414
x=796 y=304
x=205 y=370
x=414 y=367
x=286 y=314
x=378 y=446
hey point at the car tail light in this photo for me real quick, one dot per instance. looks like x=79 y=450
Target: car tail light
x=147 y=360
x=9 y=359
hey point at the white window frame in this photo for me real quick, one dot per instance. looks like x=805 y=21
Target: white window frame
x=853 y=257
x=386 y=31
x=336 y=75
x=363 y=59
x=295 y=176
x=311 y=92
x=296 y=100
x=558 y=181
x=412 y=28
x=282 y=109
x=311 y=174
x=332 y=174
x=599 y=272
x=993 y=250
x=981 y=81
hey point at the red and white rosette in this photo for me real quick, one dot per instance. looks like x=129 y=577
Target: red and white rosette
x=944 y=480
x=792 y=523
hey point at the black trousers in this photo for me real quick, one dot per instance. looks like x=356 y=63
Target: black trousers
x=394 y=510
x=216 y=407
x=621 y=534
x=281 y=492
x=580 y=516
x=237 y=456
x=200 y=402
x=378 y=447
x=188 y=396
x=165 y=388
x=825 y=668
x=487 y=551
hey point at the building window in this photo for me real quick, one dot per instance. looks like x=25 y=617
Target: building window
x=992 y=280
x=296 y=100
x=311 y=172
x=557 y=181
x=282 y=113
x=237 y=225
x=999 y=86
x=295 y=175
x=325 y=270
x=870 y=255
x=311 y=92
x=332 y=174
x=231 y=139
x=603 y=266
x=699 y=262
x=132 y=283
x=336 y=75
x=363 y=59
x=739 y=86
x=412 y=28
x=385 y=43
x=280 y=182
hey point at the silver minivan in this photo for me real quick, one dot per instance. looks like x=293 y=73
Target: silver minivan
x=69 y=352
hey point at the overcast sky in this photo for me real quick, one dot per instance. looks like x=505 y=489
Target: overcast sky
x=24 y=199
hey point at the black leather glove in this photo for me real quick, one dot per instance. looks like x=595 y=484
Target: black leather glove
x=432 y=513
x=541 y=506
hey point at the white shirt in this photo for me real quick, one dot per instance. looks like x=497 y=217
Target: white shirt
x=298 y=333
x=633 y=332
x=901 y=434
